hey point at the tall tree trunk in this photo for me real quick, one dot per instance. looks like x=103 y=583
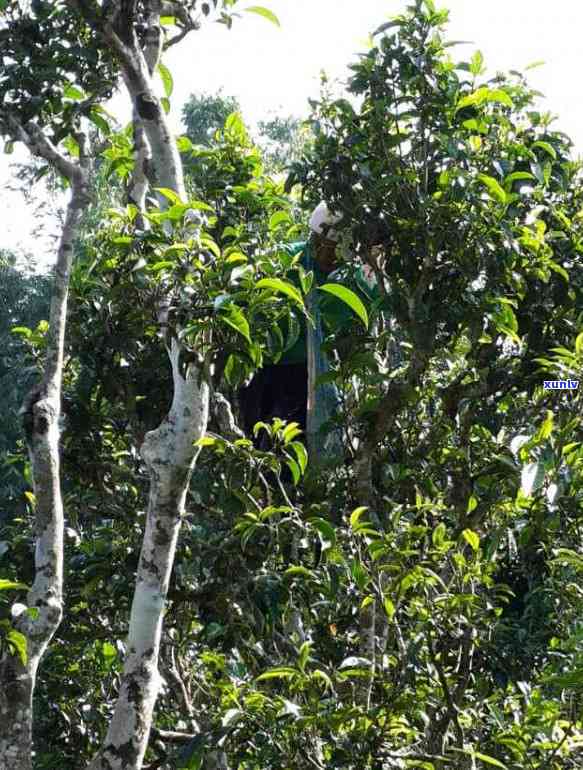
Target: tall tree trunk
x=169 y=451
x=170 y=455
x=40 y=416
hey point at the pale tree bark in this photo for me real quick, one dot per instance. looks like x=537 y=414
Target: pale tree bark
x=138 y=182
x=40 y=415
x=169 y=451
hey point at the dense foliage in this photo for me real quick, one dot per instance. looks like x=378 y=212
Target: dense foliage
x=23 y=303
x=419 y=605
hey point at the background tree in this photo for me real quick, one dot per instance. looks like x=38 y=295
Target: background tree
x=205 y=114
x=284 y=140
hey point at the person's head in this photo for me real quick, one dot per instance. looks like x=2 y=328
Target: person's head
x=324 y=237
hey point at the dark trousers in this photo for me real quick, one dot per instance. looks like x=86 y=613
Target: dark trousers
x=275 y=391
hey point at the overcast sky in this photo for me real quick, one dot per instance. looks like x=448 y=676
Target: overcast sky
x=273 y=70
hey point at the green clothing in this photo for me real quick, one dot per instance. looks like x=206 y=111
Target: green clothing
x=336 y=315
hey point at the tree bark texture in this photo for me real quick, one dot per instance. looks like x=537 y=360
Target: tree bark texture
x=40 y=416
x=169 y=451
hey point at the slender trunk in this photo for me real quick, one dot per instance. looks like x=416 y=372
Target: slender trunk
x=138 y=183
x=169 y=451
x=367 y=649
x=170 y=454
x=40 y=416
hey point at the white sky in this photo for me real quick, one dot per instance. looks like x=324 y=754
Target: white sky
x=276 y=70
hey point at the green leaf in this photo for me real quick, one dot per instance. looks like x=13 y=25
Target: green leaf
x=167 y=80
x=200 y=206
x=10 y=585
x=548 y=148
x=210 y=245
x=290 y=432
x=235 y=127
x=318 y=674
x=18 y=642
x=356 y=514
x=301 y=454
x=558 y=269
x=568 y=448
x=534 y=64
x=184 y=144
x=76 y=94
x=546 y=428
x=325 y=529
x=24 y=331
x=517 y=176
x=282 y=672
x=278 y=218
x=249 y=531
x=349 y=298
x=494 y=188
x=505 y=320
x=471 y=538
x=108 y=651
x=271 y=510
x=236 y=320
x=281 y=287
x=306 y=280
x=295 y=470
x=304 y=655
x=170 y=195
x=488 y=760
x=389 y=608
x=298 y=571
x=206 y=441
x=477 y=63
x=264 y=12
x=98 y=120
x=498 y=96
x=71 y=146
x=567 y=556
x=485 y=95
x=438 y=536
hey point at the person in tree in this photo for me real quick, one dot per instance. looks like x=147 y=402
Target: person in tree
x=288 y=388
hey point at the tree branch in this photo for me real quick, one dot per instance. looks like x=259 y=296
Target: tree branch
x=188 y=24
x=39 y=145
x=172 y=737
